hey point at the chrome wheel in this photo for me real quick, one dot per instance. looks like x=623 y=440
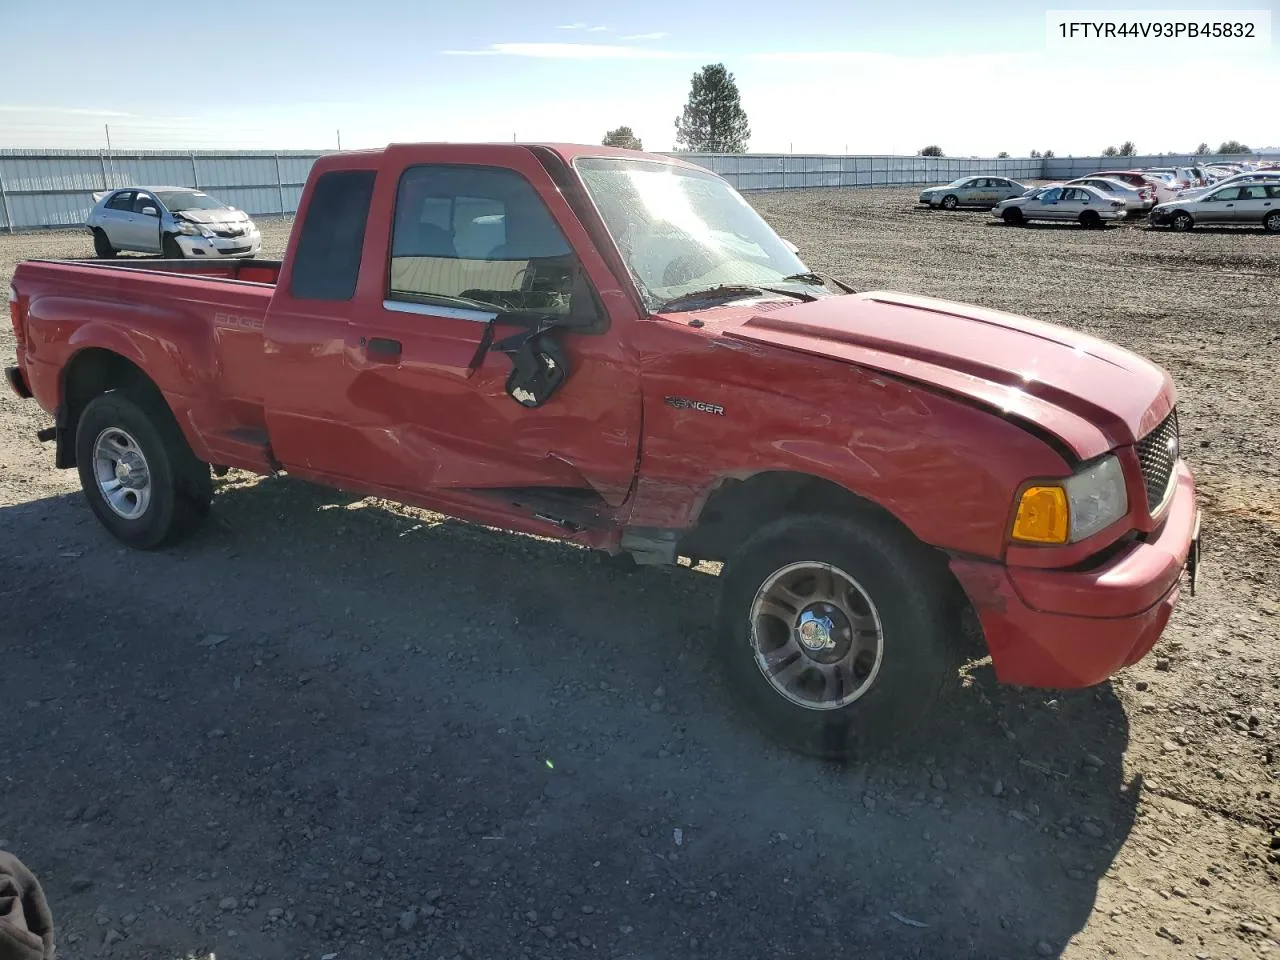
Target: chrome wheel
x=123 y=476
x=816 y=635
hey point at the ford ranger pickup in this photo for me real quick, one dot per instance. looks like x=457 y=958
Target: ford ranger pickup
x=614 y=349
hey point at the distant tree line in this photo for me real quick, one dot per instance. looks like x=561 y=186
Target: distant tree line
x=714 y=121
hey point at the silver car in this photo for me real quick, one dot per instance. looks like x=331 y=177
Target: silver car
x=982 y=192
x=1254 y=203
x=1136 y=199
x=175 y=222
x=1087 y=206
x=1255 y=176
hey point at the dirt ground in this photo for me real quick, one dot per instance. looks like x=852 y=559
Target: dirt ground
x=327 y=727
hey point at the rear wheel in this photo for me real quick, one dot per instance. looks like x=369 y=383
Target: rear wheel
x=1271 y=223
x=1013 y=216
x=139 y=475
x=950 y=202
x=169 y=248
x=101 y=245
x=833 y=635
x=1182 y=222
x=1090 y=219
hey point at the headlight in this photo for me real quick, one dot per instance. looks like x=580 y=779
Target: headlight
x=192 y=229
x=1088 y=501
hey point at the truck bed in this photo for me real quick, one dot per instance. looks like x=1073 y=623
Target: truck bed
x=210 y=314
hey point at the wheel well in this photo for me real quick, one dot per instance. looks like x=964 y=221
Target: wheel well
x=737 y=508
x=90 y=373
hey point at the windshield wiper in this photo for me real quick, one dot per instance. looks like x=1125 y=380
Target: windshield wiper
x=814 y=277
x=731 y=291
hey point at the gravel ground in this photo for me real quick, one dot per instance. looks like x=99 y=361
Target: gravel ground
x=335 y=727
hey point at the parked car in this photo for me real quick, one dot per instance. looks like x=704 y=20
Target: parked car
x=174 y=222
x=1137 y=200
x=1251 y=203
x=1181 y=177
x=553 y=340
x=1162 y=188
x=1252 y=177
x=1088 y=206
x=982 y=192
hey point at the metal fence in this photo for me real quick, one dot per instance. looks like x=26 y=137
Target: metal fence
x=50 y=188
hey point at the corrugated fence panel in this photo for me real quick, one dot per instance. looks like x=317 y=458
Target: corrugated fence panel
x=44 y=188
x=143 y=171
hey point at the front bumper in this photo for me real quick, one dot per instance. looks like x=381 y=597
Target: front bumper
x=215 y=247
x=1064 y=629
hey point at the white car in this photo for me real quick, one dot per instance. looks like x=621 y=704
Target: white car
x=1088 y=206
x=175 y=222
x=1136 y=199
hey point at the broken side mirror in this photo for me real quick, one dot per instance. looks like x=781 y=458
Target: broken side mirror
x=538 y=366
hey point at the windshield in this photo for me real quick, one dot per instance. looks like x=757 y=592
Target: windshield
x=682 y=230
x=179 y=200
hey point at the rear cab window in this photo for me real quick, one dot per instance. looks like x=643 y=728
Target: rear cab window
x=326 y=262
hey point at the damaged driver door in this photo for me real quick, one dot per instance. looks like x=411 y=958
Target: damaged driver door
x=489 y=359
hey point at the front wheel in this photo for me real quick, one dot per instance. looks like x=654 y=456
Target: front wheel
x=1182 y=222
x=1013 y=216
x=950 y=202
x=141 y=479
x=169 y=248
x=102 y=247
x=834 y=634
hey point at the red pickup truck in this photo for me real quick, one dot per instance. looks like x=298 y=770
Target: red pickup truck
x=614 y=349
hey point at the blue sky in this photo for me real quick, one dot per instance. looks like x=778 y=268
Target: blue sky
x=815 y=75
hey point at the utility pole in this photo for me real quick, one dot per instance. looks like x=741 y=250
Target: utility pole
x=110 y=159
x=339 y=139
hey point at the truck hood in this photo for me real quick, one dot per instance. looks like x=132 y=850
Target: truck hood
x=1090 y=394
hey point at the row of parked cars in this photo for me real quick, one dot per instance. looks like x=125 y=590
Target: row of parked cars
x=1175 y=197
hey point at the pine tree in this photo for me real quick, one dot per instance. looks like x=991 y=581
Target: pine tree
x=622 y=137
x=713 y=120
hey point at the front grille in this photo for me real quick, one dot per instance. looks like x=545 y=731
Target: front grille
x=229 y=232
x=1158 y=454
x=229 y=250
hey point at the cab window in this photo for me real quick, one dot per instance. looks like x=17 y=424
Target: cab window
x=478 y=237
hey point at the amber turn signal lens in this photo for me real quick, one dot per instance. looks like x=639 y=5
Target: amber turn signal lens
x=1043 y=516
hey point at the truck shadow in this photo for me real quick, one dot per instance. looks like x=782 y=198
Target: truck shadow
x=314 y=677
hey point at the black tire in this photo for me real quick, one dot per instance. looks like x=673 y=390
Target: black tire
x=950 y=202
x=1090 y=220
x=1182 y=222
x=169 y=248
x=180 y=488
x=1013 y=216
x=1271 y=222
x=102 y=247
x=920 y=647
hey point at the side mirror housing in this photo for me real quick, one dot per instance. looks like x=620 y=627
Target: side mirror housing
x=150 y=211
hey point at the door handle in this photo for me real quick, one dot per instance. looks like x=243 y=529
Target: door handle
x=383 y=350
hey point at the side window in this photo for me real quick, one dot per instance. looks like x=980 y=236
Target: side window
x=1049 y=196
x=1253 y=193
x=1229 y=194
x=478 y=237
x=1273 y=191
x=122 y=201
x=143 y=200
x=326 y=262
